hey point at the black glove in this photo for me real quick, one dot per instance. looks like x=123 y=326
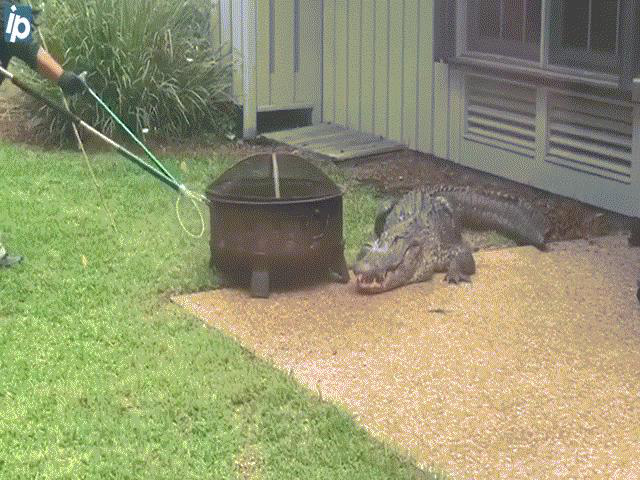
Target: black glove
x=70 y=83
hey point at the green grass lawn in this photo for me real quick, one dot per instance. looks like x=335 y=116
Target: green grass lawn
x=102 y=377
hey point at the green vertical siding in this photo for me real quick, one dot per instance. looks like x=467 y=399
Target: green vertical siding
x=328 y=61
x=342 y=58
x=366 y=64
x=354 y=70
x=282 y=76
x=378 y=68
x=396 y=71
x=424 y=118
x=308 y=79
x=367 y=72
x=278 y=84
x=409 y=77
x=262 y=53
x=381 y=76
x=236 y=41
x=441 y=110
x=249 y=84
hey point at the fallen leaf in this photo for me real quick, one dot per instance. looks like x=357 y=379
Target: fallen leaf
x=183 y=166
x=85 y=262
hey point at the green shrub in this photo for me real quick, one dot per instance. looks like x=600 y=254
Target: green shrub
x=151 y=61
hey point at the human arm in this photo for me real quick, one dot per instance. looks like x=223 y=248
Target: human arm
x=40 y=60
x=47 y=66
x=69 y=82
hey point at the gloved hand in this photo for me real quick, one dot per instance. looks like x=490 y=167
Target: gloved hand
x=70 y=83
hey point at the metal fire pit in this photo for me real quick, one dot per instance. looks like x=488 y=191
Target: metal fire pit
x=276 y=217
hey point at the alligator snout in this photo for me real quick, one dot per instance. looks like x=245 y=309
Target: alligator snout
x=367 y=278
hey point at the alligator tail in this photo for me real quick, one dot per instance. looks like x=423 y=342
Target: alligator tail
x=498 y=211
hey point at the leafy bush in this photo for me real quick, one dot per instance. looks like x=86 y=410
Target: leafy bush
x=151 y=61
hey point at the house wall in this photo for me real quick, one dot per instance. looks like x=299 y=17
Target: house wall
x=379 y=76
x=288 y=59
x=225 y=15
x=580 y=145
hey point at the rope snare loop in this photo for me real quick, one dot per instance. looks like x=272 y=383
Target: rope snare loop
x=195 y=198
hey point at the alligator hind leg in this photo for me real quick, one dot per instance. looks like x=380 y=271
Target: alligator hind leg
x=461 y=267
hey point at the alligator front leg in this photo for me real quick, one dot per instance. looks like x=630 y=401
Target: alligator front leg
x=461 y=266
x=384 y=208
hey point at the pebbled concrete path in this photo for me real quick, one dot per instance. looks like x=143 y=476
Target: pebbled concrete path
x=531 y=371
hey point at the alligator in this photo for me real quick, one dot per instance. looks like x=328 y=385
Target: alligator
x=420 y=233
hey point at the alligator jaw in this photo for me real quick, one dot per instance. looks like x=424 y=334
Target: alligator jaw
x=371 y=283
x=371 y=280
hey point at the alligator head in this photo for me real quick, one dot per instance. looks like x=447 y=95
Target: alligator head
x=393 y=259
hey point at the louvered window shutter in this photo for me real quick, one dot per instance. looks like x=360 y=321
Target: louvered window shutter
x=501 y=114
x=590 y=136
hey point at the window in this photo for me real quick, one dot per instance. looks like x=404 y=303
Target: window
x=505 y=27
x=582 y=34
x=586 y=34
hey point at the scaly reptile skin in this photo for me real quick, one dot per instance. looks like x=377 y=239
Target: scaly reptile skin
x=421 y=234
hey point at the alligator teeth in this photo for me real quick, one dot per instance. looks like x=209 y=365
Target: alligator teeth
x=370 y=282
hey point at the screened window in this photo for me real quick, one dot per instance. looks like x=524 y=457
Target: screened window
x=586 y=34
x=505 y=27
x=583 y=34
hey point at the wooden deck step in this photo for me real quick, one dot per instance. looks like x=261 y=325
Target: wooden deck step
x=334 y=141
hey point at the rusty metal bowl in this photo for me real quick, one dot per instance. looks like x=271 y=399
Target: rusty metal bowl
x=276 y=217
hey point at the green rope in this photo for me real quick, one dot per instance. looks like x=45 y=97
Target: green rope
x=85 y=156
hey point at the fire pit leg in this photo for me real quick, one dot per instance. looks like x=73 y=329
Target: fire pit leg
x=339 y=270
x=223 y=280
x=260 y=283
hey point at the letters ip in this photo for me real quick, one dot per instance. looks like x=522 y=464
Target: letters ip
x=18 y=27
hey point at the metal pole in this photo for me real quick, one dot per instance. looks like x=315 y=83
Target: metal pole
x=74 y=118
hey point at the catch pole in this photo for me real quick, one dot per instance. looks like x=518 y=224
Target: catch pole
x=74 y=118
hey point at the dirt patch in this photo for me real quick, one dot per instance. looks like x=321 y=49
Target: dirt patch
x=395 y=173
x=398 y=172
x=14 y=125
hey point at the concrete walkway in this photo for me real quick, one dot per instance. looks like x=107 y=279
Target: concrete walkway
x=530 y=372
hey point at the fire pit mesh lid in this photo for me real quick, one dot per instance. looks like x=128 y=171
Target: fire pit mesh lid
x=259 y=178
